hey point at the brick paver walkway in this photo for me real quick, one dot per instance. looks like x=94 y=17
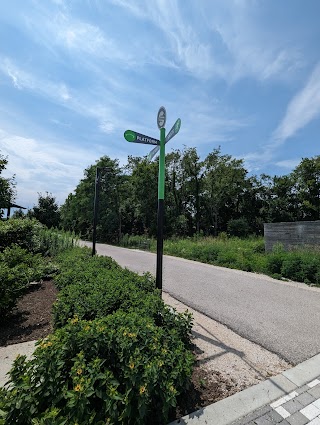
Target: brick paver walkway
x=300 y=407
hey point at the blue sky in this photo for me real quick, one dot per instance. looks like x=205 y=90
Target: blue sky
x=74 y=75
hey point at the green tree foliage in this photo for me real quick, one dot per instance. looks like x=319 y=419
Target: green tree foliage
x=142 y=195
x=47 y=210
x=225 y=185
x=207 y=196
x=7 y=186
x=306 y=178
x=77 y=211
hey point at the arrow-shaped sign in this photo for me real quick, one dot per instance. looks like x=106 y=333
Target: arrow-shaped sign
x=132 y=136
x=153 y=153
x=175 y=129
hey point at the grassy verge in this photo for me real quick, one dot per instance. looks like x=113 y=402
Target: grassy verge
x=242 y=254
x=248 y=255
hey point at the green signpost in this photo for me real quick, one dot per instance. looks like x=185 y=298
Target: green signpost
x=132 y=136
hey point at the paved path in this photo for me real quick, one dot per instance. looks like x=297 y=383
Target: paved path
x=280 y=316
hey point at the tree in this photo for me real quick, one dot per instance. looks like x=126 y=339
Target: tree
x=192 y=186
x=225 y=185
x=306 y=178
x=7 y=186
x=77 y=211
x=47 y=210
x=142 y=190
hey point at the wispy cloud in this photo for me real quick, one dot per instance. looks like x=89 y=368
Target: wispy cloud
x=42 y=166
x=181 y=47
x=77 y=101
x=302 y=109
x=22 y=79
x=289 y=163
x=230 y=44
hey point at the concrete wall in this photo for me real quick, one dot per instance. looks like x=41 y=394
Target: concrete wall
x=292 y=235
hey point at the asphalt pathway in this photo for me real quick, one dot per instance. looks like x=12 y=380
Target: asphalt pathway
x=283 y=317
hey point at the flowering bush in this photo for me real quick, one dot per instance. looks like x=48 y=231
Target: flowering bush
x=122 y=369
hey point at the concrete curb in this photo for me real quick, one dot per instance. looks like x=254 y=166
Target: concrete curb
x=235 y=407
x=8 y=355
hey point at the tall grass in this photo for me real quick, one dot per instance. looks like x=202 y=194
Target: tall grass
x=52 y=242
x=137 y=241
x=249 y=255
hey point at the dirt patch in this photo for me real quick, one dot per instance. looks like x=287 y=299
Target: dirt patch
x=31 y=319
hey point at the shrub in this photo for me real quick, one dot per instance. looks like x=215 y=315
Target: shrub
x=21 y=232
x=78 y=266
x=118 y=370
x=238 y=227
x=291 y=267
x=94 y=287
x=103 y=298
x=18 y=268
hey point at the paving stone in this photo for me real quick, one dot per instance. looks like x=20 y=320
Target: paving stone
x=310 y=411
x=313 y=383
x=252 y=416
x=315 y=391
x=275 y=417
x=303 y=389
x=305 y=399
x=297 y=419
x=283 y=412
x=263 y=420
x=293 y=406
x=284 y=422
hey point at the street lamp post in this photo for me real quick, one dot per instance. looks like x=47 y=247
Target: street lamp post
x=96 y=205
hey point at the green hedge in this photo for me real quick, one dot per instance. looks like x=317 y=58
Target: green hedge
x=21 y=232
x=94 y=287
x=18 y=268
x=118 y=355
x=121 y=369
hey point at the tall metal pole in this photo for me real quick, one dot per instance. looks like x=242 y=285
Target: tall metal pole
x=95 y=210
x=160 y=208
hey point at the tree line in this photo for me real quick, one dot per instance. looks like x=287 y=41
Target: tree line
x=207 y=196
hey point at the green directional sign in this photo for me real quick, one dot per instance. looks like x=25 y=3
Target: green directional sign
x=132 y=136
x=153 y=153
x=175 y=129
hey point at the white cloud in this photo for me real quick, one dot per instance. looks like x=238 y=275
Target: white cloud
x=42 y=166
x=289 y=163
x=302 y=109
x=22 y=79
x=107 y=127
x=81 y=102
x=219 y=39
x=181 y=46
